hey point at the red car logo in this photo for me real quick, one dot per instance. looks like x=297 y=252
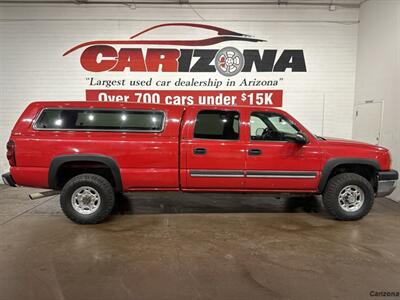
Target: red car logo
x=129 y=55
x=223 y=35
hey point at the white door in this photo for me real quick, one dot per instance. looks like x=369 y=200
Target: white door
x=367 y=122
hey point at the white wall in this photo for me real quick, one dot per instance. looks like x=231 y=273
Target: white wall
x=378 y=68
x=32 y=40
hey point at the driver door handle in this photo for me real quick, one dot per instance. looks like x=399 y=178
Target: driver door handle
x=254 y=152
x=200 y=151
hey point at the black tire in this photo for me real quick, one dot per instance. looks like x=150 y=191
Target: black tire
x=335 y=186
x=105 y=192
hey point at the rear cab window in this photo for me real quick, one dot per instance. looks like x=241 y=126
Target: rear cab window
x=100 y=120
x=217 y=125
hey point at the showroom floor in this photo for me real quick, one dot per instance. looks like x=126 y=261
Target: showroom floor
x=196 y=247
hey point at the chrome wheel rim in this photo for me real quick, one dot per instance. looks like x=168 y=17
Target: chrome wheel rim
x=85 y=200
x=351 y=198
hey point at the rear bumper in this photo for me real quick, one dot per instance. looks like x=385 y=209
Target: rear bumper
x=387 y=181
x=7 y=179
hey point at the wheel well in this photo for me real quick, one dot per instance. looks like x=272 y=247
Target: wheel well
x=367 y=171
x=70 y=169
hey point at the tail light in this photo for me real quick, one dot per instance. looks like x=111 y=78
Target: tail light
x=11 y=153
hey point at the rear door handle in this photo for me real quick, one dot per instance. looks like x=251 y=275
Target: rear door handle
x=255 y=152
x=199 y=151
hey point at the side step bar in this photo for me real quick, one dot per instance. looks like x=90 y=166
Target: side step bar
x=44 y=194
x=7 y=179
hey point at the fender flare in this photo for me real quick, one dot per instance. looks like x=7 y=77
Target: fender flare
x=334 y=162
x=58 y=161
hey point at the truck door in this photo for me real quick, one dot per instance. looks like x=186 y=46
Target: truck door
x=274 y=162
x=212 y=149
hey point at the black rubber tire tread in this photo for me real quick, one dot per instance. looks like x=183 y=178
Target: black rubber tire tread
x=333 y=188
x=102 y=186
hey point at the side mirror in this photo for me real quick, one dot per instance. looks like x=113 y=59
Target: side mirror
x=298 y=138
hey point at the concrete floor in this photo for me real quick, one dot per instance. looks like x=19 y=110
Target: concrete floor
x=196 y=247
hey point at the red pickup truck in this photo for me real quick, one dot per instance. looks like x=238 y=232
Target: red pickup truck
x=92 y=150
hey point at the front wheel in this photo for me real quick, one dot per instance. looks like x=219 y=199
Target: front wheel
x=348 y=196
x=87 y=199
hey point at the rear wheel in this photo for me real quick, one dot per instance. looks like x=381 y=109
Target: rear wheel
x=348 y=196
x=87 y=199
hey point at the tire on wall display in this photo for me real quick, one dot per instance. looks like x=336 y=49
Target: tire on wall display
x=229 y=61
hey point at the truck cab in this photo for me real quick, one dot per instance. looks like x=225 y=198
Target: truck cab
x=94 y=150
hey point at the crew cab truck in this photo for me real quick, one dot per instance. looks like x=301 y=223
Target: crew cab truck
x=91 y=151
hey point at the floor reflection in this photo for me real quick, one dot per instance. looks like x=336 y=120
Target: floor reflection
x=176 y=202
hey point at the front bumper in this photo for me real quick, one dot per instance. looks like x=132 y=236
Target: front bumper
x=387 y=181
x=7 y=179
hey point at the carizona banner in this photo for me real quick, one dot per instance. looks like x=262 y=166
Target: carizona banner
x=225 y=68
x=189 y=97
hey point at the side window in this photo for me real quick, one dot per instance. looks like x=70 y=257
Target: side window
x=283 y=125
x=95 y=119
x=257 y=126
x=217 y=124
x=268 y=126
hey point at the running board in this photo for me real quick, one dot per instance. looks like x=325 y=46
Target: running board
x=44 y=194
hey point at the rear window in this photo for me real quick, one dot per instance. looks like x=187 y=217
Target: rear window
x=217 y=124
x=87 y=119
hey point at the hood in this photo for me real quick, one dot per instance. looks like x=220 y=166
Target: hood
x=337 y=142
x=334 y=148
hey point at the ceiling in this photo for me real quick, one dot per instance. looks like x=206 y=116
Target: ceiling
x=343 y=3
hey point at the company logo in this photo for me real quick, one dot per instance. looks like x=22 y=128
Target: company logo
x=129 y=55
x=229 y=61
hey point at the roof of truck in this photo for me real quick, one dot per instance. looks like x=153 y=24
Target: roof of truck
x=130 y=105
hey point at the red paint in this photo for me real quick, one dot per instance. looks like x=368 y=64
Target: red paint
x=218 y=30
x=131 y=59
x=152 y=161
x=165 y=60
x=106 y=58
x=223 y=35
x=90 y=58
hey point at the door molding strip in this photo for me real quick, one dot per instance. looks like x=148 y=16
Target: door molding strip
x=216 y=173
x=282 y=174
x=254 y=174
